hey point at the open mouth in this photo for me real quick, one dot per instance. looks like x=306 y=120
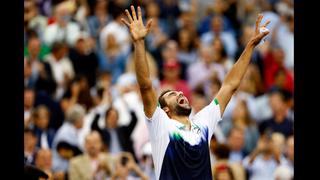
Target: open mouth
x=182 y=101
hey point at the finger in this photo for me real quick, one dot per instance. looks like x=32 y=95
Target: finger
x=139 y=14
x=129 y=16
x=266 y=24
x=133 y=11
x=125 y=22
x=258 y=20
x=148 y=26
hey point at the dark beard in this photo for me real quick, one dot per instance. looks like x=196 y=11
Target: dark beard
x=182 y=111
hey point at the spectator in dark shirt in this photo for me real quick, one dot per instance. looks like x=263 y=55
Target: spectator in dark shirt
x=279 y=122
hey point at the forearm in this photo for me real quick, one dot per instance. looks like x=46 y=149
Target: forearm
x=238 y=70
x=141 y=65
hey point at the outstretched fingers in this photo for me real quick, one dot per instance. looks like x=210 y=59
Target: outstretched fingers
x=133 y=11
x=125 y=22
x=258 y=20
x=139 y=14
x=266 y=24
x=149 y=23
x=129 y=16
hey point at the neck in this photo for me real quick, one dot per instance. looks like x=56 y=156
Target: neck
x=93 y=156
x=182 y=119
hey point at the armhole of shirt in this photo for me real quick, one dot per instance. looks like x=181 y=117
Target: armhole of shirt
x=216 y=103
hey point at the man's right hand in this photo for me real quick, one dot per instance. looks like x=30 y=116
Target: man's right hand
x=137 y=29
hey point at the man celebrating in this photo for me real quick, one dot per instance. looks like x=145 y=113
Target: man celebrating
x=180 y=146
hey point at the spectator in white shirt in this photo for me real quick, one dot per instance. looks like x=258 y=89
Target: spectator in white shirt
x=63 y=29
x=61 y=66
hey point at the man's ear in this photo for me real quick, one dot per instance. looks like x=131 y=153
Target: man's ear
x=166 y=109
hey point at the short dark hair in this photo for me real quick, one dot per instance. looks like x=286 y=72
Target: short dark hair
x=161 y=100
x=32 y=173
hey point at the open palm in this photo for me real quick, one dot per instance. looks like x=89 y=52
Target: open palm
x=137 y=29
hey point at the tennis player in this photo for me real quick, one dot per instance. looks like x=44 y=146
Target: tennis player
x=180 y=145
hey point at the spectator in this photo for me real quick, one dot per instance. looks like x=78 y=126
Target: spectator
x=263 y=161
x=115 y=138
x=172 y=80
x=217 y=31
x=125 y=165
x=99 y=19
x=241 y=119
x=186 y=46
x=32 y=173
x=30 y=148
x=63 y=30
x=43 y=161
x=68 y=132
x=93 y=164
x=220 y=55
x=119 y=31
x=35 y=49
x=112 y=58
x=29 y=98
x=273 y=64
x=222 y=153
x=236 y=140
x=61 y=67
x=84 y=60
x=147 y=164
x=279 y=122
x=45 y=134
x=199 y=73
x=34 y=19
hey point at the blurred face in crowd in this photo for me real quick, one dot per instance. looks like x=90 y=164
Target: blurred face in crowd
x=279 y=55
x=217 y=24
x=30 y=141
x=101 y=6
x=171 y=73
x=42 y=117
x=44 y=159
x=81 y=45
x=176 y=104
x=277 y=103
x=79 y=123
x=63 y=15
x=93 y=144
x=290 y=148
x=28 y=98
x=30 y=10
x=206 y=54
x=278 y=141
x=112 y=118
x=219 y=6
x=280 y=78
x=236 y=140
x=198 y=102
x=60 y=53
x=152 y=10
x=184 y=38
x=170 y=51
x=34 y=45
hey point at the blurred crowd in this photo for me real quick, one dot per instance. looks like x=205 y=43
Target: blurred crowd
x=83 y=114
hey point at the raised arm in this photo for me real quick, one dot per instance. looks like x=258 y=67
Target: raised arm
x=235 y=75
x=138 y=32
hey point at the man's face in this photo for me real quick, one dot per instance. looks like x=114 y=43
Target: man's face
x=177 y=103
x=236 y=140
x=28 y=98
x=93 y=144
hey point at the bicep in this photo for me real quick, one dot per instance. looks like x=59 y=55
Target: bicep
x=224 y=95
x=149 y=99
